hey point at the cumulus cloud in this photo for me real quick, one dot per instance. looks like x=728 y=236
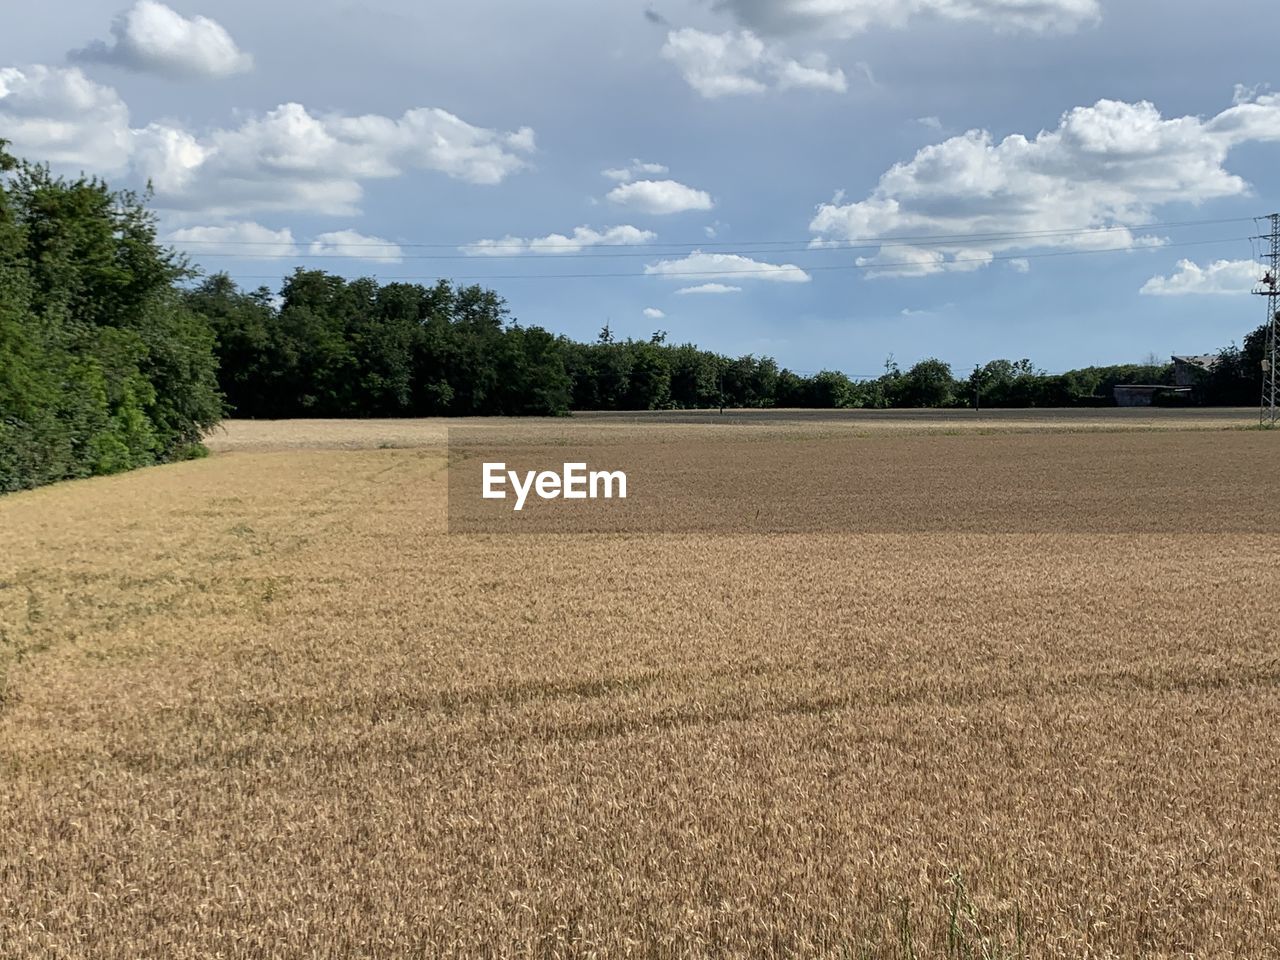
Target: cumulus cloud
x=721 y=266
x=659 y=197
x=846 y=18
x=151 y=37
x=250 y=240
x=1086 y=184
x=653 y=313
x=723 y=64
x=635 y=169
x=244 y=238
x=709 y=288
x=813 y=75
x=355 y=246
x=900 y=260
x=61 y=116
x=291 y=159
x=581 y=238
x=286 y=159
x=167 y=157
x=1219 y=277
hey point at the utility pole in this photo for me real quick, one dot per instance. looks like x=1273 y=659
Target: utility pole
x=1269 y=415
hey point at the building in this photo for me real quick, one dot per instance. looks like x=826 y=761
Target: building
x=1145 y=394
x=1188 y=370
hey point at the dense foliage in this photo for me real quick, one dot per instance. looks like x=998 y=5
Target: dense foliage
x=331 y=347
x=103 y=366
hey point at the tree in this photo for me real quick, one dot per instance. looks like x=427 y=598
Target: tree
x=829 y=389
x=244 y=327
x=927 y=384
x=695 y=377
x=103 y=366
x=649 y=384
x=533 y=374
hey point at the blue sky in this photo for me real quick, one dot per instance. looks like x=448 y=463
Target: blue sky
x=792 y=154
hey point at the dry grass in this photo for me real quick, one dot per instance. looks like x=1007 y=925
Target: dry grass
x=674 y=426
x=262 y=705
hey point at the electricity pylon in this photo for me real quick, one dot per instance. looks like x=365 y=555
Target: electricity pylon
x=1269 y=415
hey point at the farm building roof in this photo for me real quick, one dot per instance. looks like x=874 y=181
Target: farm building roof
x=1206 y=360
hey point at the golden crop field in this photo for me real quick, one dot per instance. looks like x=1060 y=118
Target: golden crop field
x=1017 y=698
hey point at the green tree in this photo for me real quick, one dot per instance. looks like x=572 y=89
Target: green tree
x=103 y=366
x=927 y=384
x=649 y=382
x=244 y=327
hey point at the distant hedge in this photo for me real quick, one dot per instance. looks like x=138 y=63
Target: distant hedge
x=103 y=366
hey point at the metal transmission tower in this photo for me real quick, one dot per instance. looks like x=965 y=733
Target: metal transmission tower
x=1270 y=288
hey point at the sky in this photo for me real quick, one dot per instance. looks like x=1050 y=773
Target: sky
x=828 y=182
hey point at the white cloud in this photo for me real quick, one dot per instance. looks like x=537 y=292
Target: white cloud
x=845 y=18
x=933 y=123
x=659 y=197
x=910 y=313
x=356 y=246
x=717 y=65
x=286 y=159
x=813 y=75
x=1020 y=265
x=243 y=239
x=653 y=313
x=710 y=288
x=151 y=37
x=635 y=169
x=723 y=64
x=582 y=238
x=252 y=241
x=1245 y=94
x=290 y=159
x=727 y=266
x=60 y=116
x=900 y=260
x=168 y=157
x=1219 y=277
x=1087 y=184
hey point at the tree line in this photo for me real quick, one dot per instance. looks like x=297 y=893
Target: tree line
x=330 y=347
x=116 y=353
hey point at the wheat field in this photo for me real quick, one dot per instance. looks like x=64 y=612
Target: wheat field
x=267 y=705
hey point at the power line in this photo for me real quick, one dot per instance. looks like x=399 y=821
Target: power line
x=806 y=243
x=729 y=274
x=578 y=255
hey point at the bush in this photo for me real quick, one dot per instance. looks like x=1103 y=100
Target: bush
x=102 y=367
